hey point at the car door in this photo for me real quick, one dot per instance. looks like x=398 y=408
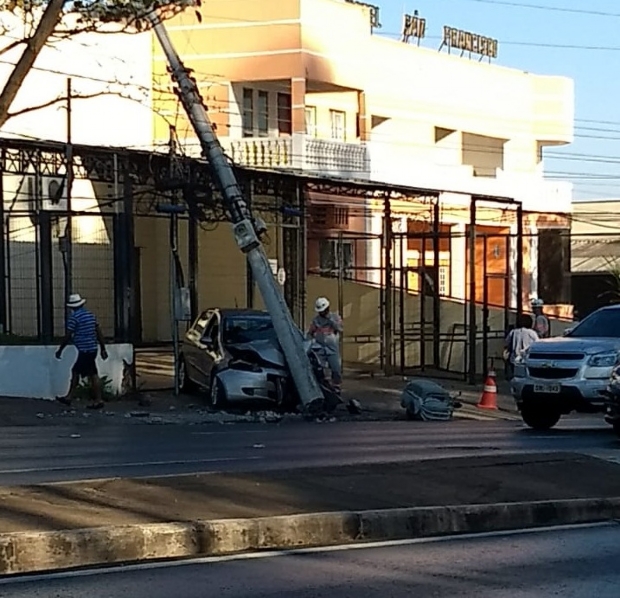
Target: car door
x=193 y=347
x=211 y=352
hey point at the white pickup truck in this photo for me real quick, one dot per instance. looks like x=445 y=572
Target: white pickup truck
x=559 y=375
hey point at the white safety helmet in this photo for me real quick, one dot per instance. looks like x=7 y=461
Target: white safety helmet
x=537 y=302
x=321 y=304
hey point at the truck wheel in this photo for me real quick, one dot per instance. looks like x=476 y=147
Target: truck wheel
x=539 y=418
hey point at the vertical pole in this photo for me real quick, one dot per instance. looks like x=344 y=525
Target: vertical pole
x=437 y=294
x=507 y=282
x=403 y=296
x=302 y=255
x=120 y=272
x=519 y=272
x=485 y=305
x=47 y=290
x=472 y=293
x=173 y=297
x=341 y=285
x=422 y=279
x=192 y=274
x=130 y=324
x=249 y=276
x=69 y=183
x=387 y=332
x=3 y=240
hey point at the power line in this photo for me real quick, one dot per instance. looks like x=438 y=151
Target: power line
x=581 y=11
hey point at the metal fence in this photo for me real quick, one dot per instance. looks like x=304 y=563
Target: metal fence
x=36 y=270
x=406 y=300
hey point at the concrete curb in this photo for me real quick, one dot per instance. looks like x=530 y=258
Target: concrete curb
x=28 y=552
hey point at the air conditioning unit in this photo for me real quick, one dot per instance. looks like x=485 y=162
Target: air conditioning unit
x=54 y=193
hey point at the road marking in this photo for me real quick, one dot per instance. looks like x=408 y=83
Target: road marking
x=267 y=554
x=125 y=465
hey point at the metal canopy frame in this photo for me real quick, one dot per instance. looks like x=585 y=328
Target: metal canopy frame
x=133 y=169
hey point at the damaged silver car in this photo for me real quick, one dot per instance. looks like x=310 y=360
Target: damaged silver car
x=234 y=353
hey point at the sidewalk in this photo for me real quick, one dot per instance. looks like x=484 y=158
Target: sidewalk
x=379 y=396
x=481 y=480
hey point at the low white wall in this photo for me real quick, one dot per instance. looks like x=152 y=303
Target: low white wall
x=34 y=372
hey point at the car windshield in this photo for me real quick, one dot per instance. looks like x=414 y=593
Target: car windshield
x=603 y=323
x=245 y=329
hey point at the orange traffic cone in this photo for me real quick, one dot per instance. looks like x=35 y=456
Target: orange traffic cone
x=488 y=400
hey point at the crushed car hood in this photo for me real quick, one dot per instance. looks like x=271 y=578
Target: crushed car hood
x=589 y=346
x=266 y=351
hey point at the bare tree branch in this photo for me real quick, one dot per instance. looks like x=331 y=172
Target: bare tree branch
x=87 y=16
x=12 y=45
x=49 y=20
x=61 y=99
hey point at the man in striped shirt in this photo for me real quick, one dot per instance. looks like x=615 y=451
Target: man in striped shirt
x=83 y=331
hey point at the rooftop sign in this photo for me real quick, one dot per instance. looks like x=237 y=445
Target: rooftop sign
x=375 y=21
x=413 y=26
x=469 y=42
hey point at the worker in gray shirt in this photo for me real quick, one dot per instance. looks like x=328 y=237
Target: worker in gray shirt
x=542 y=325
x=325 y=330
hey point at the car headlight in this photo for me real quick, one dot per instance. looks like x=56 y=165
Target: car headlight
x=603 y=360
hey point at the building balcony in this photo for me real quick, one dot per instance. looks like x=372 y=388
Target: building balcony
x=385 y=163
x=302 y=153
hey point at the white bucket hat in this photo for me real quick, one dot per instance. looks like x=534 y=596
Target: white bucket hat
x=76 y=301
x=322 y=303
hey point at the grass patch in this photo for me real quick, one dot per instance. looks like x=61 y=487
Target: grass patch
x=85 y=390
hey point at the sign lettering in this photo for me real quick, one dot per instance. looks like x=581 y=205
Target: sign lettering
x=470 y=42
x=375 y=21
x=413 y=26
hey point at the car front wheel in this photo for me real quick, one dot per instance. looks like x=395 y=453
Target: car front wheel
x=217 y=393
x=540 y=418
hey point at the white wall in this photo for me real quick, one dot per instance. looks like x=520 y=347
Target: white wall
x=111 y=63
x=33 y=372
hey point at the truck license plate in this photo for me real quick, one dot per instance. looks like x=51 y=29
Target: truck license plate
x=548 y=388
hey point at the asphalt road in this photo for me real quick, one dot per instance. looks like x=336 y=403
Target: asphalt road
x=572 y=563
x=48 y=454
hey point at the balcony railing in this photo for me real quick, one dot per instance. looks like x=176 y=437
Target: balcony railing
x=391 y=165
x=302 y=153
x=263 y=152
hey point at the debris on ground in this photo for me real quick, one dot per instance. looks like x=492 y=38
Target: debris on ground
x=425 y=400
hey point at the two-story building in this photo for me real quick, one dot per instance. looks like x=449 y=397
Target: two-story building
x=306 y=86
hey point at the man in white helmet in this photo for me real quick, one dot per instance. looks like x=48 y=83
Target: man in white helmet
x=542 y=325
x=325 y=329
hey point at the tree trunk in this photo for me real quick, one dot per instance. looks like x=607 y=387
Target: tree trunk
x=49 y=20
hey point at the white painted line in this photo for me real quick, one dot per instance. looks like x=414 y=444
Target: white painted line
x=267 y=554
x=125 y=465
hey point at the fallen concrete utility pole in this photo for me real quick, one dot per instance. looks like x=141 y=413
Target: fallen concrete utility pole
x=244 y=227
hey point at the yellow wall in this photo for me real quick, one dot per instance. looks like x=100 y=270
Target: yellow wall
x=362 y=317
x=221 y=270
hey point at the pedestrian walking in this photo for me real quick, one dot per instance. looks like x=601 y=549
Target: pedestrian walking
x=521 y=338
x=326 y=329
x=541 y=323
x=84 y=333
